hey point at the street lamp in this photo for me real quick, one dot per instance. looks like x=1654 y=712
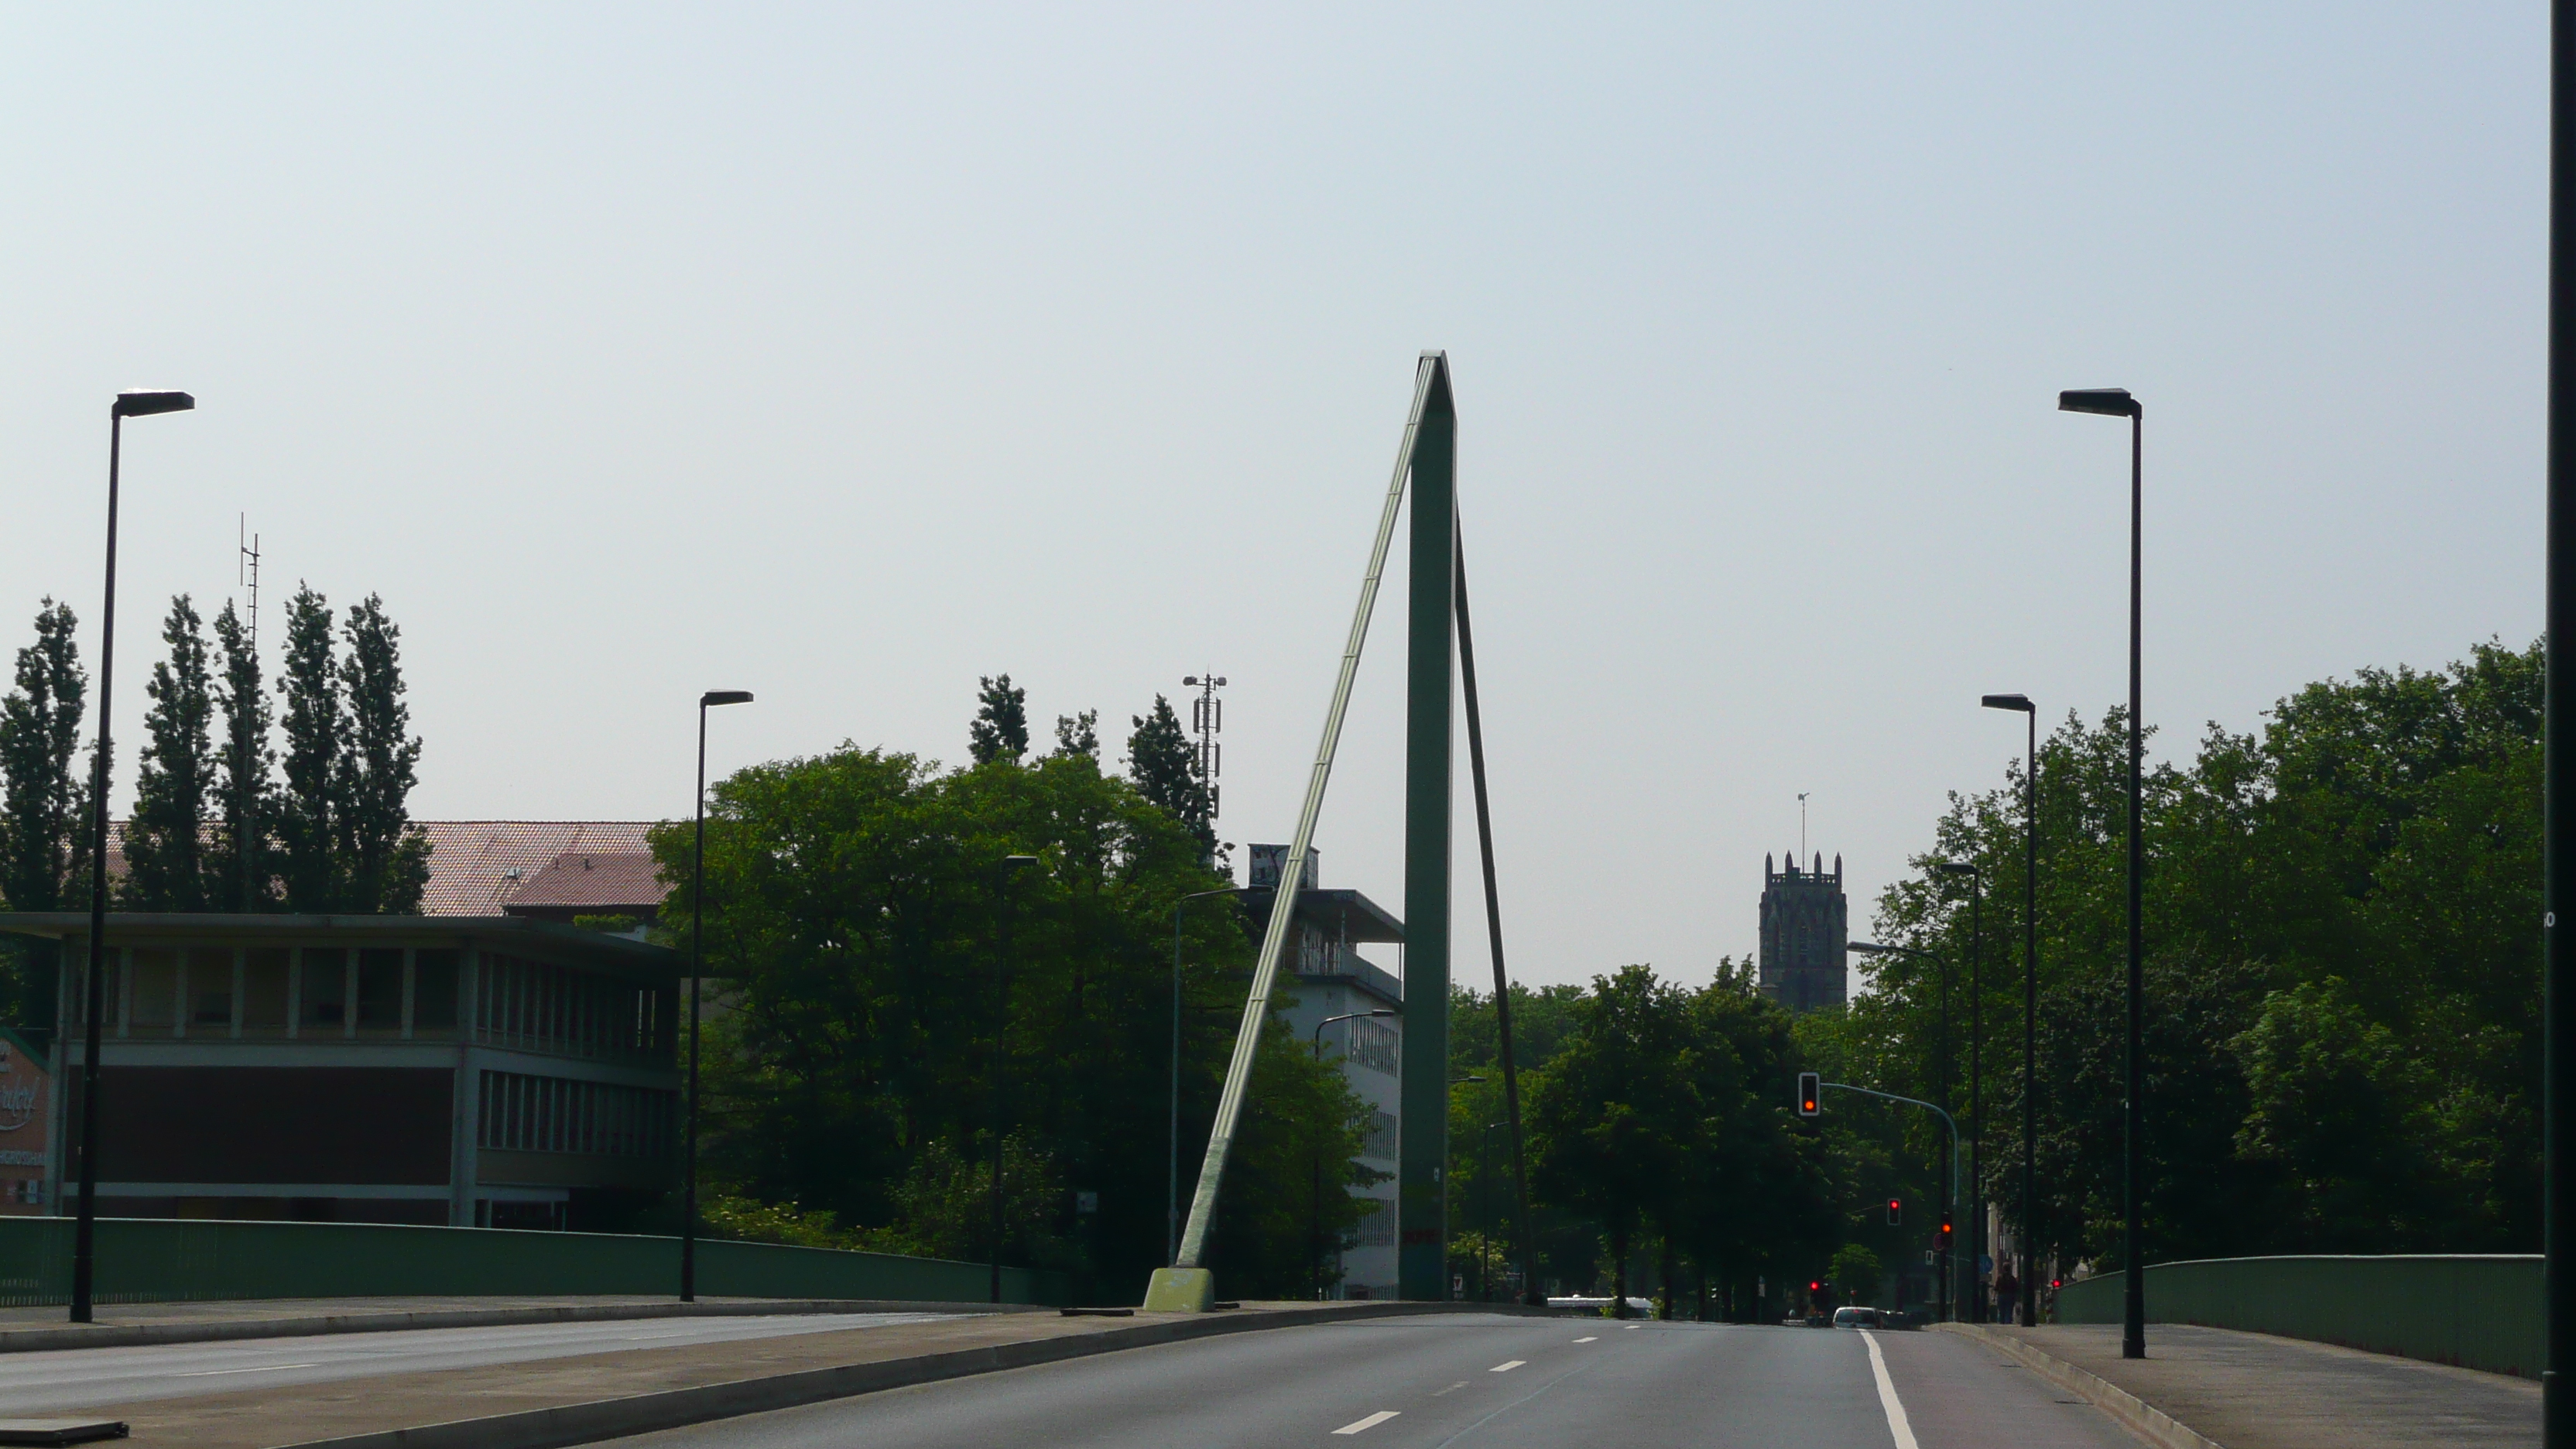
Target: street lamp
x=85 y=1231
x=1872 y=948
x=712 y=699
x=1315 y=1220
x=1485 y=1210
x=1172 y=1184
x=1975 y=1305
x=1444 y=1179
x=1010 y=866
x=2029 y=1005
x=2115 y=402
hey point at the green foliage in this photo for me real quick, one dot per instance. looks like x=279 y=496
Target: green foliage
x=1001 y=727
x=1165 y=766
x=1078 y=734
x=384 y=863
x=246 y=796
x=42 y=854
x=854 y=908
x=1856 y=1272
x=308 y=828
x=165 y=858
x=2342 y=1030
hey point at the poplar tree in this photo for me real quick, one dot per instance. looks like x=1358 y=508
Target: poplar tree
x=384 y=861
x=1001 y=728
x=41 y=849
x=307 y=816
x=246 y=796
x=165 y=855
x=1164 y=763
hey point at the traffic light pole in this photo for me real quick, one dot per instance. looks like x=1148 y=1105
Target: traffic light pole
x=1946 y=1121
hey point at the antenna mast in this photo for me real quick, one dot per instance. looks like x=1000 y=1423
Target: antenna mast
x=1207 y=720
x=245 y=783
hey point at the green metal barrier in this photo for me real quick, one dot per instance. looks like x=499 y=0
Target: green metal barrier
x=156 y=1260
x=2476 y=1310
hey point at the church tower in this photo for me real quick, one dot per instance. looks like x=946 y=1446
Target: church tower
x=1804 y=930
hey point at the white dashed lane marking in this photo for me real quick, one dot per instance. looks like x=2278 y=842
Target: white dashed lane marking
x=262 y=1369
x=1362 y=1426
x=1507 y=1365
x=1589 y=1338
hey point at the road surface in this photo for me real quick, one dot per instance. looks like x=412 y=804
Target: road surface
x=1471 y=1380
x=98 y=1378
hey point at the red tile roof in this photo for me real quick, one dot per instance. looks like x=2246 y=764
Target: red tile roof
x=625 y=880
x=477 y=867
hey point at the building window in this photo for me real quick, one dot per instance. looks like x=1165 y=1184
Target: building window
x=524 y=1113
x=1378 y=1139
x=433 y=1008
x=380 y=991
x=1376 y=1046
x=156 y=990
x=264 y=1004
x=325 y=978
x=1377 y=1224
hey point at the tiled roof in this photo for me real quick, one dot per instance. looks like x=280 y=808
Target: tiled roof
x=476 y=867
x=627 y=880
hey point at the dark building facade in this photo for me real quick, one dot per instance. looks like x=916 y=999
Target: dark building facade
x=1804 y=930
x=489 y=1071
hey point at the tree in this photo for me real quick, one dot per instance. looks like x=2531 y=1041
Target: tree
x=308 y=826
x=1001 y=728
x=1856 y=1272
x=1078 y=734
x=853 y=908
x=166 y=866
x=1166 y=768
x=385 y=862
x=40 y=723
x=245 y=794
x=1614 y=1123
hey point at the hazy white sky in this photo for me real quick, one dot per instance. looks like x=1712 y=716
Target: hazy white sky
x=846 y=354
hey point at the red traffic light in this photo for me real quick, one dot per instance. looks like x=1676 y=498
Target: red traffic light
x=1945 y=1227
x=1895 y=1212
x=1814 y=1286
x=1811 y=1094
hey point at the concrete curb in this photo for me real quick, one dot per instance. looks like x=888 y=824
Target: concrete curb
x=675 y=1408
x=128 y=1335
x=2132 y=1413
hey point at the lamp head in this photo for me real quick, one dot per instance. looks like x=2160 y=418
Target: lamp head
x=724 y=696
x=1390 y=1011
x=1955 y=867
x=2019 y=702
x=1189 y=679
x=1015 y=862
x=2109 y=402
x=145 y=404
x=1866 y=948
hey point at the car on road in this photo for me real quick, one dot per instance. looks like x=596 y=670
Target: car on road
x=1857 y=1317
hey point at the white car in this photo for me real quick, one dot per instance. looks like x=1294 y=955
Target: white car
x=1858 y=1318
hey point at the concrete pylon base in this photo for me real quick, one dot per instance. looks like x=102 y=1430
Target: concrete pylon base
x=1180 y=1290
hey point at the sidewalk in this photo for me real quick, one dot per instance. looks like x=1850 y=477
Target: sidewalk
x=24 y=1330
x=2255 y=1391
x=607 y=1395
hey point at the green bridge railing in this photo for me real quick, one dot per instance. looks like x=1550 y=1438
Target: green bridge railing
x=158 y=1260
x=2475 y=1310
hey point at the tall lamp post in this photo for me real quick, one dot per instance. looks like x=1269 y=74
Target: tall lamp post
x=2029 y=1006
x=1315 y=1218
x=2558 y=850
x=1950 y=1197
x=1011 y=866
x=1485 y=1210
x=2115 y=402
x=1172 y=1180
x=85 y=1230
x=1972 y=1301
x=712 y=699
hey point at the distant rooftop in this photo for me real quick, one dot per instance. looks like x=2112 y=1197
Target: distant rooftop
x=549 y=867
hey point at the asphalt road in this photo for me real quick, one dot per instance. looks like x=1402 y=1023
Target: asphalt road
x=1489 y=1382
x=94 y=1378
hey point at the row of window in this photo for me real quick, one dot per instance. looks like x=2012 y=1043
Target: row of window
x=1377 y=1223
x=1376 y=1046
x=538 y=1006
x=1378 y=1138
x=523 y=1113
x=306 y=991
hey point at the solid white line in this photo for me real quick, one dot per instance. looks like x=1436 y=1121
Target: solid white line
x=1897 y=1427
x=1589 y=1338
x=1359 y=1426
x=263 y=1369
x=1507 y=1365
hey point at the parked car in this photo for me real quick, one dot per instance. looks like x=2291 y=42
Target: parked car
x=1857 y=1317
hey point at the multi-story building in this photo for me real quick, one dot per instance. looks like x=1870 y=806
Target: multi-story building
x=487 y=1070
x=1328 y=979
x=1805 y=929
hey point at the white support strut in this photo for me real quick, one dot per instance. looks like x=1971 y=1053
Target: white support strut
x=1283 y=905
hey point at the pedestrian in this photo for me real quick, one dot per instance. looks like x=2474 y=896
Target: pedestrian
x=2007 y=1293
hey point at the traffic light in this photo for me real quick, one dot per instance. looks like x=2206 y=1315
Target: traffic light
x=1945 y=1232
x=1811 y=1095
x=1895 y=1212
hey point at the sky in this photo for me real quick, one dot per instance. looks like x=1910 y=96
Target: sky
x=846 y=354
